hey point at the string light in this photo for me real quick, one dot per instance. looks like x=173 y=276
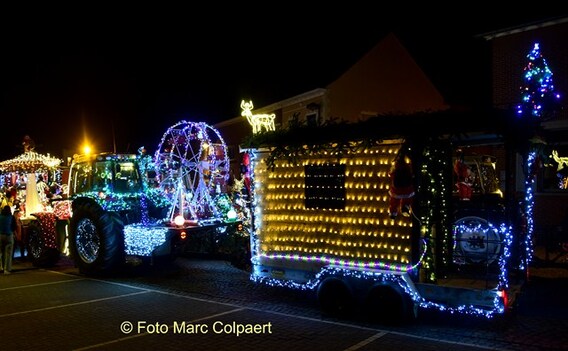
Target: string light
x=538 y=96
x=292 y=230
x=356 y=240
x=30 y=161
x=47 y=224
x=396 y=278
x=142 y=239
x=529 y=206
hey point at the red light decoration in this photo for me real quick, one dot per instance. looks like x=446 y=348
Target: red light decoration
x=47 y=224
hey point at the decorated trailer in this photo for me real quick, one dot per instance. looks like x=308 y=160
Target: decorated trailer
x=394 y=218
x=31 y=180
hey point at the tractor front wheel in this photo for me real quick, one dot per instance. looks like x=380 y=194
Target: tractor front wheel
x=96 y=240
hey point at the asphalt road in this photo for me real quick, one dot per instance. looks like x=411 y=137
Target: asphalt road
x=202 y=304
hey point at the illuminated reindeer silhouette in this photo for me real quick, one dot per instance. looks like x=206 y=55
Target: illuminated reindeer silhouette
x=257 y=121
x=562 y=161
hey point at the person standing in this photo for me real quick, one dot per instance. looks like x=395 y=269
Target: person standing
x=20 y=235
x=7 y=228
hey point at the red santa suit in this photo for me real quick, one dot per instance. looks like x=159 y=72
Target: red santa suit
x=245 y=171
x=463 y=172
x=402 y=189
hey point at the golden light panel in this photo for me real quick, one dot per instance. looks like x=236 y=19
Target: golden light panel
x=362 y=230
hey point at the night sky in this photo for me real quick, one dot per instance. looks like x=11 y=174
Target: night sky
x=93 y=74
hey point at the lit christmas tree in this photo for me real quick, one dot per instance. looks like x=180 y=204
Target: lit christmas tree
x=538 y=97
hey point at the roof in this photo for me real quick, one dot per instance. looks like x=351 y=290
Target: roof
x=450 y=127
x=30 y=161
x=422 y=125
x=523 y=28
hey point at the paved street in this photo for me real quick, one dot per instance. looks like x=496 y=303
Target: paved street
x=204 y=305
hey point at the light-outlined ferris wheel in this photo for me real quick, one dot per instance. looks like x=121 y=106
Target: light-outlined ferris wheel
x=191 y=164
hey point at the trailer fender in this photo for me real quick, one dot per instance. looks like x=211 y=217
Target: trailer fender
x=335 y=297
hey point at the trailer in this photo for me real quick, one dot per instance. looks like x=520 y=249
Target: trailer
x=454 y=234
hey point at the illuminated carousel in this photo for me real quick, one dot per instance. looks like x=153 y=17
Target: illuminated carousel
x=28 y=175
x=23 y=171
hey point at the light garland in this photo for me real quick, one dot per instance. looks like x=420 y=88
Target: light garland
x=30 y=161
x=400 y=279
x=473 y=243
x=529 y=205
x=434 y=202
x=340 y=262
x=114 y=202
x=142 y=239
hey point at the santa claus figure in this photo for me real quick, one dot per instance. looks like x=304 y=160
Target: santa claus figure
x=402 y=188
x=245 y=171
x=463 y=177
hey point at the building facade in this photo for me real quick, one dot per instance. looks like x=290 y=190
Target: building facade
x=386 y=80
x=510 y=48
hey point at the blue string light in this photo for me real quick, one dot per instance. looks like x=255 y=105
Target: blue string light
x=537 y=94
x=396 y=273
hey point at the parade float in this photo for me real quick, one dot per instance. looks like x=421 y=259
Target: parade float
x=27 y=177
x=398 y=212
x=122 y=207
x=335 y=214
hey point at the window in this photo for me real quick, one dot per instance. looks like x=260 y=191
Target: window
x=481 y=168
x=81 y=179
x=312 y=119
x=126 y=177
x=325 y=186
x=312 y=114
x=102 y=176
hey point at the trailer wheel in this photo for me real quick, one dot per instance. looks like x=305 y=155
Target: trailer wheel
x=386 y=305
x=96 y=242
x=39 y=253
x=335 y=297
